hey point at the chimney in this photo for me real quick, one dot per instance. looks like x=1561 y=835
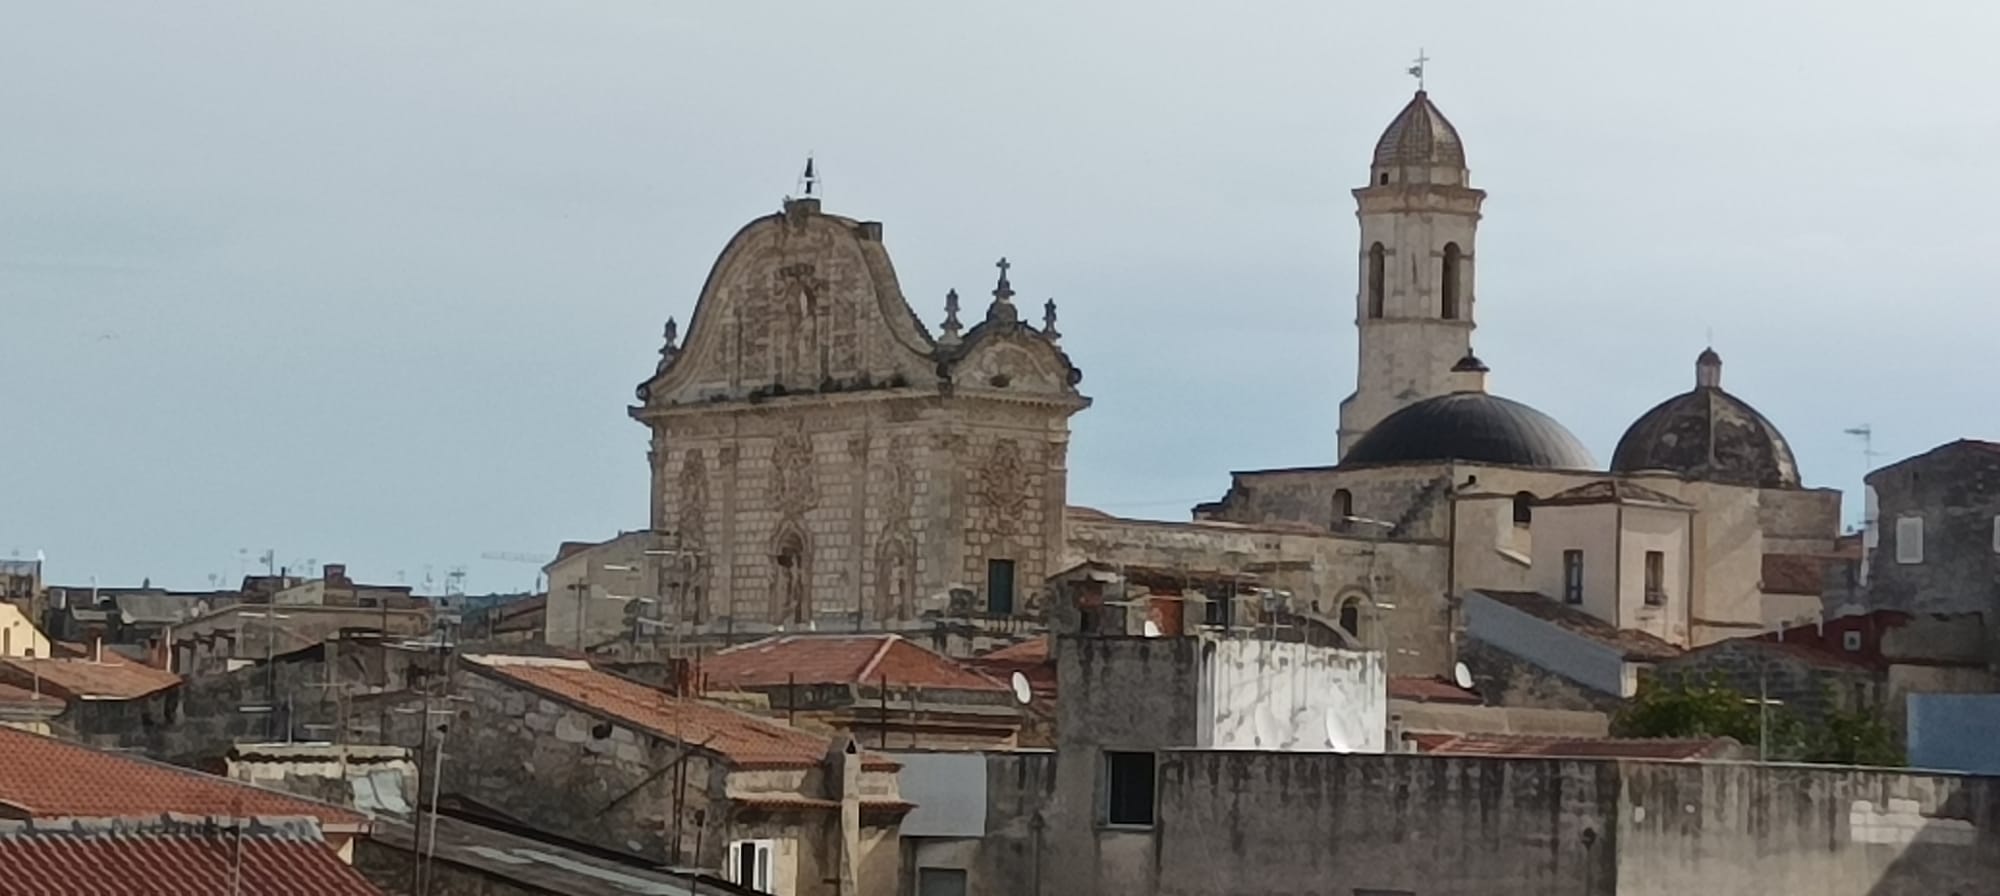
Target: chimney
x=1469 y=374
x=845 y=761
x=97 y=649
x=335 y=573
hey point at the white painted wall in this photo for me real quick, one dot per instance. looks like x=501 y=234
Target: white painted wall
x=18 y=635
x=1267 y=695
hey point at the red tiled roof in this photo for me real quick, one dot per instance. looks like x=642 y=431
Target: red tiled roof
x=113 y=678
x=839 y=659
x=13 y=696
x=43 y=777
x=1576 y=747
x=1634 y=645
x=178 y=859
x=1793 y=574
x=745 y=740
x=1430 y=690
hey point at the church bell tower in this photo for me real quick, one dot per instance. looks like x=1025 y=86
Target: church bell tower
x=1415 y=305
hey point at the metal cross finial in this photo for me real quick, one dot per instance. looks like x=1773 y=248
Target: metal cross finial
x=1417 y=71
x=809 y=180
x=1003 y=266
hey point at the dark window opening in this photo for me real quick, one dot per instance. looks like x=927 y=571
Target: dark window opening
x=1129 y=789
x=1572 y=577
x=1656 y=578
x=1000 y=587
x=1220 y=609
x=1384 y=178
x=1378 y=270
x=1350 y=619
x=1448 y=285
x=941 y=882
x=1524 y=508
x=1343 y=508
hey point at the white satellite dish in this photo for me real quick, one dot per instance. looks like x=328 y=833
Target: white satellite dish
x=1152 y=629
x=1023 y=692
x=1462 y=675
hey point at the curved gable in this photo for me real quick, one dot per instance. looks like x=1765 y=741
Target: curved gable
x=798 y=301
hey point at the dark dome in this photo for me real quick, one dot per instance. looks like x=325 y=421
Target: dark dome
x=1471 y=426
x=1707 y=433
x=1420 y=136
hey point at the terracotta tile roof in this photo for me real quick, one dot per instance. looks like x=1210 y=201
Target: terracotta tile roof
x=172 y=858
x=1430 y=690
x=839 y=659
x=1634 y=645
x=43 y=777
x=13 y=696
x=1577 y=747
x=1793 y=574
x=1611 y=491
x=113 y=678
x=745 y=740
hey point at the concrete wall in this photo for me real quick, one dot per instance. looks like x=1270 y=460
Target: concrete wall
x=1288 y=696
x=1955 y=732
x=1643 y=529
x=587 y=601
x=1297 y=823
x=1742 y=830
x=1128 y=692
x=949 y=790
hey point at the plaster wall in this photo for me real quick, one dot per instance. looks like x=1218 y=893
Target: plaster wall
x=1267 y=695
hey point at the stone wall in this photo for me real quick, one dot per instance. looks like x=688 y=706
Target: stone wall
x=1505 y=679
x=1955 y=490
x=1398 y=587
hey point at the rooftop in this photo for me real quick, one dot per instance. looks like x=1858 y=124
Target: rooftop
x=1633 y=645
x=78 y=677
x=745 y=740
x=1793 y=574
x=839 y=659
x=546 y=866
x=43 y=777
x=1431 y=690
x=1611 y=491
x=173 y=856
x=1576 y=747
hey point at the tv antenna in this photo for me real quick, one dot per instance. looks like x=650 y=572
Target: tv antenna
x=1866 y=434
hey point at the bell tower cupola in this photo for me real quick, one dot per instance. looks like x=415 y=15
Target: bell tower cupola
x=1415 y=305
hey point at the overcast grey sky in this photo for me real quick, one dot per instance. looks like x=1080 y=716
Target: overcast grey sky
x=372 y=281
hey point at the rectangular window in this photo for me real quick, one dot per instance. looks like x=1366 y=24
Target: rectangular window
x=1910 y=539
x=750 y=864
x=941 y=882
x=1219 y=610
x=1656 y=578
x=1851 y=640
x=1000 y=587
x=1128 y=789
x=1572 y=577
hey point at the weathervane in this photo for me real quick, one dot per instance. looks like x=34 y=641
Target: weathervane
x=1417 y=71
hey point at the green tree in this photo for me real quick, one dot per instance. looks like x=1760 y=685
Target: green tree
x=1686 y=707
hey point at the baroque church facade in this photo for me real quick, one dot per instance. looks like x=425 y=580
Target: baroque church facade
x=821 y=459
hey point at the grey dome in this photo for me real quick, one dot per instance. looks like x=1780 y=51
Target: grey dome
x=1708 y=434
x=1420 y=136
x=1471 y=426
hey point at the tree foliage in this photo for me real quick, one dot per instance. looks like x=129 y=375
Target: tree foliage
x=1686 y=707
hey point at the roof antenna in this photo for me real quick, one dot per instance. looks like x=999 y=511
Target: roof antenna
x=809 y=181
x=1417 y=71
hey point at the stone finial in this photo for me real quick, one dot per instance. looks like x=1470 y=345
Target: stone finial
x=670 y=338
x=951 y=326
x=1708 y=369
x=1049 y=321
x=1003 y=297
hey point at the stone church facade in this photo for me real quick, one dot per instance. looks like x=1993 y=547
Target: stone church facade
x=821 y=460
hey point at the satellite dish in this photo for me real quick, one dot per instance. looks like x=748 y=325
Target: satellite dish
x=1462 y=675
x=1152 y=629
x=1023 y=693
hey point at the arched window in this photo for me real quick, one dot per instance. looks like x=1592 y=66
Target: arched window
x=1448 y=282
x=1350 y=618
x=1378 y=268
x=1343 y=507
x=1524 y=508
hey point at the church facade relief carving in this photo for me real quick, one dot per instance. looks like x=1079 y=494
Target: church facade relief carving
x=839 y=465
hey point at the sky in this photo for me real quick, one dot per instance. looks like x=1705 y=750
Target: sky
x=372 y=282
